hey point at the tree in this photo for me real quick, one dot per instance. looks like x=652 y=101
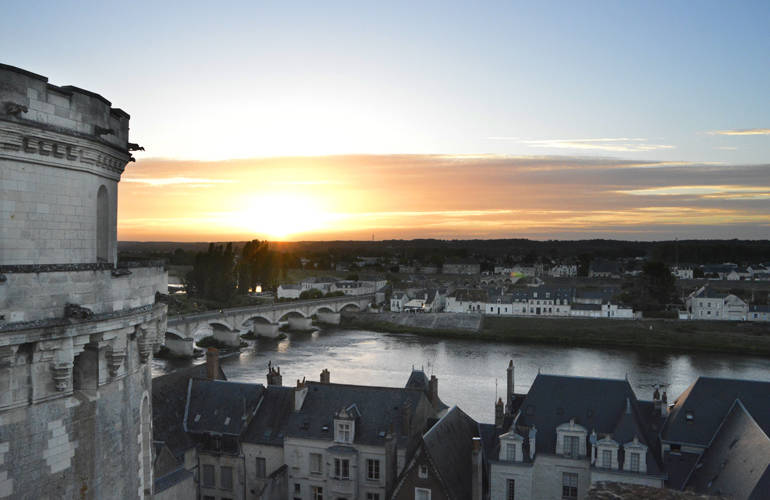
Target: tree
x=653 y=289
x=213 y=274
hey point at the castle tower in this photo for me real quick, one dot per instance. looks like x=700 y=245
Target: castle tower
x=77 y=329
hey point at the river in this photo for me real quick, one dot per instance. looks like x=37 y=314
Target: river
x=471 y=373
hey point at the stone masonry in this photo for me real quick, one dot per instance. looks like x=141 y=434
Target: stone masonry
x=77 y=331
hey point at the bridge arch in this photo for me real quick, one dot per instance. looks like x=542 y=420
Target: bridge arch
x=220 y=323
x=175 y=333
x=251 y=320
x=350 y=306
x=293 y=313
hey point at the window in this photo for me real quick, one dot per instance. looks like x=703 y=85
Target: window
x=606 y=459
x=102 y=225
x=342 y=468
x=315 y=463
x=343 y=432
x=372 y=496
x=571 y=446
x=634 y=462
x=510 y=452
x=510 y=489
x=421 y=494
x=318 y=493
x=422 y=473
x=226 y=481
x=261 y=465
x=569 y=482
x=297 y=488
x=208 y=476
x=373 y=469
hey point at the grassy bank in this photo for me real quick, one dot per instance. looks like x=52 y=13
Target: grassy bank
x=672 y=335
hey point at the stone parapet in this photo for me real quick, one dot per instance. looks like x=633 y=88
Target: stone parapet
x=28 y=97
x=27 y=295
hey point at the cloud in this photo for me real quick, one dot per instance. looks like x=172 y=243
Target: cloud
x=697 y=190
x=175 y=181
x=727 y=148
x=745 y=131
x=615 y=144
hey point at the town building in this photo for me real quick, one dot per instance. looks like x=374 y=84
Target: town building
x=568 y=433
x=563 y=271
x=77 y=327
x=706 y=303
x=289 y=291
x=465 y=300
x=461 y=266
x=716 y=438
x=602 y=268
x=682 y=272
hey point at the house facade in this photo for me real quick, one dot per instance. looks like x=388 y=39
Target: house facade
x=706 y=303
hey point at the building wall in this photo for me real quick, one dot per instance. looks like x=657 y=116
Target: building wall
x=41 y=294
x=273 y=456
x=183 y=490
x=238 y=490
x=412 y=480
x=501 y=472
x=72 y=424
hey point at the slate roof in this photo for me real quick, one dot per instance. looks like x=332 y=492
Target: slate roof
x=269 y=424
x=417 y=380
x=378 y=406
x=220 y=407
x=759 y=308
x=710 y=399
x=543 y=293
x=737 y=463
x=599 y=404
x=470 y=295
x=679 y=466
x=169 y=397
x=586 y=307
x=449 y=445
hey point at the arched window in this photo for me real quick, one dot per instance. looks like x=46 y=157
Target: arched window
x=102 y=225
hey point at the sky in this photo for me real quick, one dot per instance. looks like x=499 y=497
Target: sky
x=327 y=120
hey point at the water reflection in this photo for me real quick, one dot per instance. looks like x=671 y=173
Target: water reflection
x=468 y=370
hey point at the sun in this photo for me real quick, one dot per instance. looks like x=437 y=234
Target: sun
x=278 y=216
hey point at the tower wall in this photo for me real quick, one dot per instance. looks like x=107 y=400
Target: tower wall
x=77 y=330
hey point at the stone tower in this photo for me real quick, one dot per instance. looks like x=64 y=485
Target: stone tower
x=77 y=329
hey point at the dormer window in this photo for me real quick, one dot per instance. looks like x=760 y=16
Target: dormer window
x=422 y=472
x=344 y=432
x=571 y=440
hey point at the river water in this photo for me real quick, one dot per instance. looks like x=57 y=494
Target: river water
x=471 y=373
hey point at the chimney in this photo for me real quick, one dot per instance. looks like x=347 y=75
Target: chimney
x=433 y=390
x=299 y=394
x=499 y=413
x=325 y=376
x=406 y=414
x=478 y=472
x=212 y=363
x=664 y=405
x=628 y=406
x=391 y=461
x=656 y=402
x=509 y=390
x=532 y=442
x=274 y=376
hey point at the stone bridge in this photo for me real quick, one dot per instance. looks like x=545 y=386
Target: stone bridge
x=227 y=325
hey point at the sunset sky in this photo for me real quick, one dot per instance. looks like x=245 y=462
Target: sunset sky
x=326 y=120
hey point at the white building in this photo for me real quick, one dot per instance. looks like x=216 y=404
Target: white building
x=289 y=291
x=563 y=271
x=682 y=273
x=571 y=432
x=706 y=303
x=466 y=301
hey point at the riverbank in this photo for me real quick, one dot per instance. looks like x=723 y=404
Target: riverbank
x=675 y=335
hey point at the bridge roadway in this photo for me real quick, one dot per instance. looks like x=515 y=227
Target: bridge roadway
x=264 y=319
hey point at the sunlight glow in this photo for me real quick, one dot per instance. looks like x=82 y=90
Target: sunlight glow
x=280 y=215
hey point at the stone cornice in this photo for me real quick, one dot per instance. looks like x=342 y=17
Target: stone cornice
x=53 y=147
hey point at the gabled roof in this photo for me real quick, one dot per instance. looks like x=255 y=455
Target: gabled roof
x=417 y=380
x=469 y=295
x=599 y=404
x=269 y=424
x=737 y=463
x=169 y=397
x=709 y=399
x=221 y=407
x=449 y=445
x=380 y=407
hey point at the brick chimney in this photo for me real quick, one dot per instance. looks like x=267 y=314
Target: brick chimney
x=499 y=413
x=274 y=376
x=212 y=363
x=477 y=472
x=325 y=376
x=509 y=389
x=433 y=390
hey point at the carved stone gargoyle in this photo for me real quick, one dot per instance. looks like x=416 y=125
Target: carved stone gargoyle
x=11 y=108
x=75 y=311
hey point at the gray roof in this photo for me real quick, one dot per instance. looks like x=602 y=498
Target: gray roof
x=759 y=308
x=679 y=466
x=269 y=424
x=709 y=399
x=470 y=295
x=586 y=307
x=221 y=407
x=379 y=408
x=598 y=404
x=417 y=380
x=737 y=463
x=169 y=397
x=449 y=445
